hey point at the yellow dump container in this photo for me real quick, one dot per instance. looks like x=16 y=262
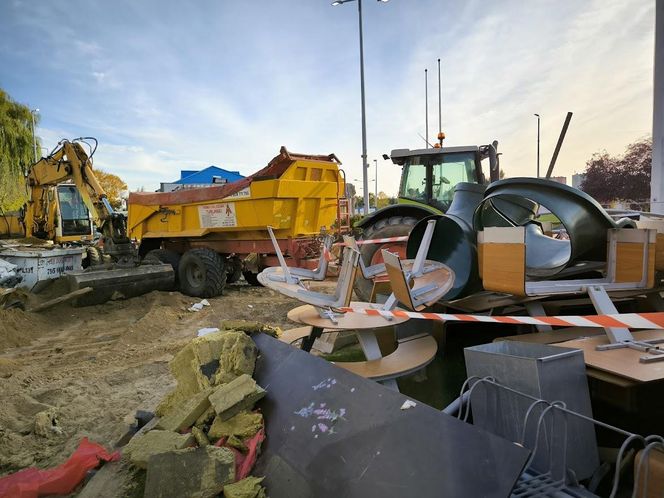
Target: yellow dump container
x=297 y=194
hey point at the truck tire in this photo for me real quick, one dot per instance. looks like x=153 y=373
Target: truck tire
x=165 y=256
x=251 y=278
x=94 y=256
x=202 y=273
x=394 y=226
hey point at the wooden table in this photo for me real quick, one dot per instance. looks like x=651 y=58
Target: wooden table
x=363 y=325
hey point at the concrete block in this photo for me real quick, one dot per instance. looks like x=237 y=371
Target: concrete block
x=249 y=487
x=185 y=414
x=139 y=449
x=243 y=425
x=238 y=395
x=249 y=327
x=193 y=473
x=237 y=357
x=200 y=436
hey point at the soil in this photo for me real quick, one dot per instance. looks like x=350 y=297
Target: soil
x=91 y=368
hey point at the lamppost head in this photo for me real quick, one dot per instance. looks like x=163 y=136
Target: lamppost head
x=34 y=110
x=536 y=115
x=337 y=2
x=383 y=1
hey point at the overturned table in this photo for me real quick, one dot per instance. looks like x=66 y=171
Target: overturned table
x=411 y=354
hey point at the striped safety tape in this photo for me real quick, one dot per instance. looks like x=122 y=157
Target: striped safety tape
x=402 y=238
x=623 y=320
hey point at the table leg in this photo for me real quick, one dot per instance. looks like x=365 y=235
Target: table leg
x=308 y=342
x=369 y=343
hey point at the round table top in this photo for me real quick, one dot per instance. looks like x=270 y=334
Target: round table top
x=308 y=315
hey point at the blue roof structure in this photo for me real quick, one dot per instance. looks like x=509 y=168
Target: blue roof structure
x=208 y=175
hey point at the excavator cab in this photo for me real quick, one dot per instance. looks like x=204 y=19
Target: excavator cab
x=74 y=220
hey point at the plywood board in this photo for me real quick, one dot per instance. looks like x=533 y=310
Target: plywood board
x=504 y=268
x=623 y=362
x=333 y=434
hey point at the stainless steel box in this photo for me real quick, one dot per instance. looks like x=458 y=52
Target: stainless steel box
x=546 y=372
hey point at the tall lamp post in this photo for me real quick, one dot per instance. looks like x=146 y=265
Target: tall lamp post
x=365 y=166
x=376 y=185
x=34 y=138
x=538 y=144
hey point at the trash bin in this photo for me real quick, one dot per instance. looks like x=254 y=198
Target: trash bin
x=545 y=372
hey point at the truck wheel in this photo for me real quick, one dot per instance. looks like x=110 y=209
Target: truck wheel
x=233 y=270
x=94 y=256
x=394 y=226
x=251 y=278
x=165 y=256
x=202 y=273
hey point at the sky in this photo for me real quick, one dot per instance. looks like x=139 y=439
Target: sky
x=166 y=85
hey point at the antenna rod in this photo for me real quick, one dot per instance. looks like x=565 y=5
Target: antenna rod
x=440 y=98
x=426 y=106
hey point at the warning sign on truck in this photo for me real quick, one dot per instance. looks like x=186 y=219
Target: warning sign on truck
x=217 y=215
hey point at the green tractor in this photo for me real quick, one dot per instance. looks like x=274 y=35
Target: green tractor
x=428 y=180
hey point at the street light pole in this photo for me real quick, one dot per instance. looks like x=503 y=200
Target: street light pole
x=538 y=145
x=376 y=184
x=34 y=138
x=365 y=165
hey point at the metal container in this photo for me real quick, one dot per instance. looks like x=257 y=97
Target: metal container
x=36 y=265
x=545 y=372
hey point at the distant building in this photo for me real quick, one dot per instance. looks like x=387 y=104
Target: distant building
x=577 y=180
x=559 y=179
x=212 y=175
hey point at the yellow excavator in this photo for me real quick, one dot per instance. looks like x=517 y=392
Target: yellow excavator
x=66 y=213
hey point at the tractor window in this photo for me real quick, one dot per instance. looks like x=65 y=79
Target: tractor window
x=447 y=171
x=415 y=181
x=73 y=211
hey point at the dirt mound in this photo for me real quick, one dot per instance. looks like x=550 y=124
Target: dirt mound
x=18 y=328
x=158 y=312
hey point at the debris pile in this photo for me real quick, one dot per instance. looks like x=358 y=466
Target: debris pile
x=206 y=437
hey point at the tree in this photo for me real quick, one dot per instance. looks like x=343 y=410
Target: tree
x=16 y=150
x=620 y=178
x=113 y=186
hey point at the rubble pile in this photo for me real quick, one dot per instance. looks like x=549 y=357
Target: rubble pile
x=206 y=437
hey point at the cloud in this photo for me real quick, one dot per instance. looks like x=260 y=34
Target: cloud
x=165 y=87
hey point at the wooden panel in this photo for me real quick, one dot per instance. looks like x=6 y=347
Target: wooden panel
x=629 y=262
x=623 y=362
x=655 y=474
x=659 y=252
x=504 y=268
x=480 y=258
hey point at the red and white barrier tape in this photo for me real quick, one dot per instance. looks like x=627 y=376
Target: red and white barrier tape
x=623 y=320
x=402 y=238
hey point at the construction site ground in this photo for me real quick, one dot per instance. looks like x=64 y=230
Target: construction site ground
x=93 y=367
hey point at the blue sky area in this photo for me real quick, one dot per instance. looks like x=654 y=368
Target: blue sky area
x=169 y=85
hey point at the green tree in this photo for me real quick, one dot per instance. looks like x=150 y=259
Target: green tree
x=16 y=151
x=620 y=178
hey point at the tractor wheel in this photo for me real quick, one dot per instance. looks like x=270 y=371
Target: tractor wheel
x=394 y=226
x=233 y=270
x=94 y=256
x=251 y=278
x=202 y=273
x=165 y=256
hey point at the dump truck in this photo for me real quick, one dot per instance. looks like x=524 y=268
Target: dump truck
x=213 y=235
x=428 y=179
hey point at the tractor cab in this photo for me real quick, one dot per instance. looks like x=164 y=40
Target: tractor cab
x=429 y=176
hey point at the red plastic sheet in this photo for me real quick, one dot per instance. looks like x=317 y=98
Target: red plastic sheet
x=62 y=480
x=244 y=463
